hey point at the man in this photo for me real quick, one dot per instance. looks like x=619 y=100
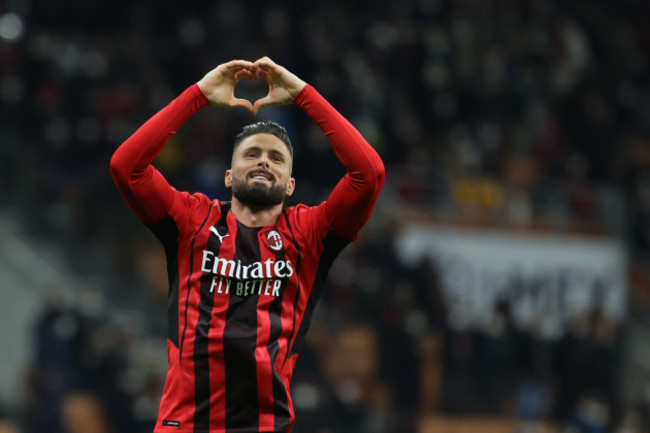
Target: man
x=244 y=275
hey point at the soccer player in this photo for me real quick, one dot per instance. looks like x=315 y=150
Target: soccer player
x=245 y=274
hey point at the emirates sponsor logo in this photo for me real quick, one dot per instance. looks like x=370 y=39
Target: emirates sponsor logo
x=258 y=278
x=234 y=269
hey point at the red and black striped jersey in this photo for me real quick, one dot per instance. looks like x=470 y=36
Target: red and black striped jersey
x=241 y=298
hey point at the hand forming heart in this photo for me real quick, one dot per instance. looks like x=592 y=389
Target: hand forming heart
x=219 y=84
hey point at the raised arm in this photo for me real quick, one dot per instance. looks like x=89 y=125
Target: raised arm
x=351 y=202
x=143 y=187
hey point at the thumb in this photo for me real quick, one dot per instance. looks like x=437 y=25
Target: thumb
x=243 y=103
x=262 y=102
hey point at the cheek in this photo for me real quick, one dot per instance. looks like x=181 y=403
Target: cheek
x=238 y=171
x=285 y=174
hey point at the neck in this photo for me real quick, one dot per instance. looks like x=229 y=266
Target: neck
x=252 y=216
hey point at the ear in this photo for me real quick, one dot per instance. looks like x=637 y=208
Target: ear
x=228 y=178
x=291 y=186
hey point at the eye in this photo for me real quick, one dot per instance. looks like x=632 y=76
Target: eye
x=276 y=159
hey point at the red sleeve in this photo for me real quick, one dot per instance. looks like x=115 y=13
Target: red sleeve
x=351 y=202
x=145 y=190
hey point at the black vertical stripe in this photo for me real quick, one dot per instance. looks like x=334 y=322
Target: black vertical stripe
x=166 y=231
x=189 y=279
x=201 y=342
x=333 y=245
x=297 y=297
x=239 y=342
x=280 y=399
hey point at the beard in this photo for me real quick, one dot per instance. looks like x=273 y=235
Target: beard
x=257 y=194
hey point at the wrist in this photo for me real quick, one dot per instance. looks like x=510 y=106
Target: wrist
x=298 y=90
x=200 y=94
x=303 y=94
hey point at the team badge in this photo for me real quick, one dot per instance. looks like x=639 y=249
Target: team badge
x=274 y=239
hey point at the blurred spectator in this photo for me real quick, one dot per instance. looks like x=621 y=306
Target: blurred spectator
x=9 y=427
x=60 y=365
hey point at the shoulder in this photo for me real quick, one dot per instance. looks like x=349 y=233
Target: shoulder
x=192 y=201
x=312 y=230
x=308 y=221
x=305 y=212
x=194 y=208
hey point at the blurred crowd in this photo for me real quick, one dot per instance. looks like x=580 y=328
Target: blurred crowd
x=529 y=115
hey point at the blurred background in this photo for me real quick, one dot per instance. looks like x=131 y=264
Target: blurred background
x=502 y=284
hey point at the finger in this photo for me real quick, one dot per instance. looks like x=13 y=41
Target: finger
x=264 y=59
x=238 y=64
x=267 y=76
x=266 y=62
x=255 y=74
x=240 y=74
x=251 y=73
x=273 y=73
x=233 y=67
x=245 y=73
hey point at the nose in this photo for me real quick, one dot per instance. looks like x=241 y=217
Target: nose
x=263 y=161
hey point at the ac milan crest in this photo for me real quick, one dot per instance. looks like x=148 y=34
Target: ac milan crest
x=274 y=239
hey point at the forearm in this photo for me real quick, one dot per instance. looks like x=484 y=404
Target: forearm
x=145 y=190
x=140 y=150
x=354 y=152
x=350 y=204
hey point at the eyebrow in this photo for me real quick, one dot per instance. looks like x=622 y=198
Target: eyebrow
x=259 y=149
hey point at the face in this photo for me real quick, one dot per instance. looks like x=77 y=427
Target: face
x=260 y=175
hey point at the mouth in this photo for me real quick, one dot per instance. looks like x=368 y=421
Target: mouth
x=261 y=176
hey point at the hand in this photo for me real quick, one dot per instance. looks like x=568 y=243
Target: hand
x=219 y=84
x=283 y=85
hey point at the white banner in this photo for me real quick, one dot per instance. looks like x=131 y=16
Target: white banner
x=548 y=279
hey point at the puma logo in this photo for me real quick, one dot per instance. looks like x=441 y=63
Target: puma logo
x=221 y=238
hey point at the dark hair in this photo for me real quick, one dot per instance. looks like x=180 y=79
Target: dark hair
x=264 y=127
